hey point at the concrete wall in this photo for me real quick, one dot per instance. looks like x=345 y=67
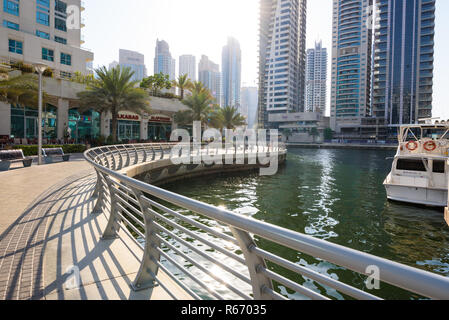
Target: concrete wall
x=5 y=119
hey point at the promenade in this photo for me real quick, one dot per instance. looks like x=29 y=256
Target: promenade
x=50 y=243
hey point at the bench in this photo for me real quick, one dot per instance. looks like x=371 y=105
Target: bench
x=7 y=157
x=50 y=154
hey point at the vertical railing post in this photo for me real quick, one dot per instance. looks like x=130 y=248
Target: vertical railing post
x=113 y=226
x=148 y=268
x=101 y=194
x=120 y=157
x=162 y=152
x=254 y=263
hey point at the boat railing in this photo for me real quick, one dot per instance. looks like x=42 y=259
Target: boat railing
x=214 y=253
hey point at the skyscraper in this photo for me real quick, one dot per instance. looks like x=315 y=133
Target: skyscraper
x=187 y=65
x=248 y=105
x=316 y=79
x=163 y=61
x=231 y=73
x=209 y=75
x=282 y=42
x=351 y=63
x=403 y=58
x=135 y=61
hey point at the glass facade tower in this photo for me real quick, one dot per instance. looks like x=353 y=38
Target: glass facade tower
x=282 y=57
x=231 y=73
x=351 y=62
x=403 y=61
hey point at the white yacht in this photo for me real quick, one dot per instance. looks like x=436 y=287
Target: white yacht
x=420 y=167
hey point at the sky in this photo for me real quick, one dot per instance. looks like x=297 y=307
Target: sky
x=202 y=27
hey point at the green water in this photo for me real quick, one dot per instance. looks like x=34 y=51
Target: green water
x=335 y=195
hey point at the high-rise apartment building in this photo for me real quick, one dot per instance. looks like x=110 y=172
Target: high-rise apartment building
x=163 y=61
x=187 y=65
x=135 y=61
x=37 y=32
x=282 y=42
x=231 y=73
x=209 y=74
x=316 y=79
x=403 y=61
x=351 y=62
x=248 y=105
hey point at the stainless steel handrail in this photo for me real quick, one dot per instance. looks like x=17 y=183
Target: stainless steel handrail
x=137 y=204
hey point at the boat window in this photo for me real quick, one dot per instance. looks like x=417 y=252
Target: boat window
x=438 y=166
x=435 y=133
x=411 y=165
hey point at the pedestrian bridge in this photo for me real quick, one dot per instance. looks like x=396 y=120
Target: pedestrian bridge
x=103 y=234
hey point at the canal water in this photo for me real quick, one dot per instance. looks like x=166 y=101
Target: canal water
x=338 y=196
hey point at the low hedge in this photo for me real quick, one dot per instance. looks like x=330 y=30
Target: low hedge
x=67 y=148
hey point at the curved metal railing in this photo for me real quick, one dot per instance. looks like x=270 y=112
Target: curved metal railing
x=214 y=253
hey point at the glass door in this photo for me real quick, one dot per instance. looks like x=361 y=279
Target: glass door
x=31 y=127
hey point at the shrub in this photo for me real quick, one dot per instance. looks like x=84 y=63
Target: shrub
x=67 y=148
x=48 y=73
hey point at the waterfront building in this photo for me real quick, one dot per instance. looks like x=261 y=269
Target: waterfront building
x=163 y=61
x=209 y=74
x=248 y=106
x=187 y=65
x=33 y=33
x=351 y=64
x=301 y=127
x=403 y=61
x=282 y=42
x=316 y=79
x=135 y=61
x=231 y=73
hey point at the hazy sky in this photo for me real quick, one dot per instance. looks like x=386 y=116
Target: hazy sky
x=202 y=26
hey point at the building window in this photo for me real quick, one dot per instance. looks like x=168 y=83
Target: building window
x=61 y=7
x=11 y=7
x=43 y=35
x=11 y=25
x=43 y=18
x=66 y=59
x=60 y=24
x=15 y=46
x=65 y=75
x=48 y=54
x=60 y=40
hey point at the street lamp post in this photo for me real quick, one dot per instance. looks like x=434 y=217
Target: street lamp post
x=40 y=68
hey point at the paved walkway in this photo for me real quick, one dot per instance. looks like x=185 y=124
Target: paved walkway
x=52 y=247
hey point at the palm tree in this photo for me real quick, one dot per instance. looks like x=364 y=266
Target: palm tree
x=227 y=117
x=114 y=91
x=183 y=83
x=198 y=87
x=199 y=108
x=20 y=90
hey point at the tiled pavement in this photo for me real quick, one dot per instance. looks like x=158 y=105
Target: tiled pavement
x=22 y=245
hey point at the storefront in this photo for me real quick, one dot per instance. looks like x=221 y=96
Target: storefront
x=128 y=127
x=24 y=122
x=84 y=127
x=159 y=128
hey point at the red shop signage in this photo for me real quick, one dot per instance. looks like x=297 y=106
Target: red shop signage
x=159 y=119
x=128 y=117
